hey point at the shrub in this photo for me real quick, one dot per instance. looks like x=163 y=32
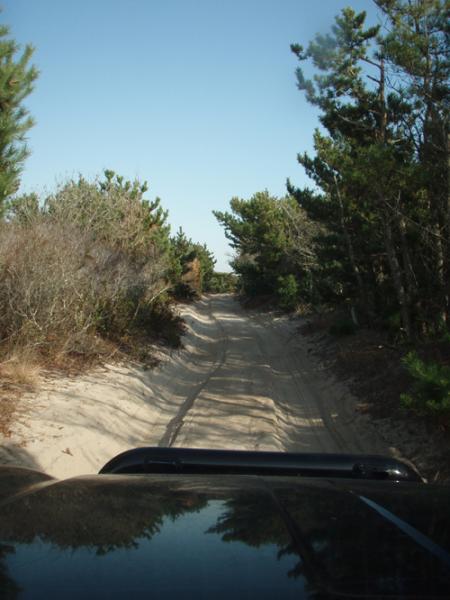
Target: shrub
x=89 y=269
x=160 y=320
x=91 y=261
x=115 y=213
x=221 y=283
x=183 y=292
x=252 y=280
x=287 y=292
x=46 y=294
x=430 y=394
x=192 y=267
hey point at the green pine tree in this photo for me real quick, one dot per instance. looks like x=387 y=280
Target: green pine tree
x=381 y=162
x=16 y=83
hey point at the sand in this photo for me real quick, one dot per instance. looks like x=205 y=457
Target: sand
x=242 y=380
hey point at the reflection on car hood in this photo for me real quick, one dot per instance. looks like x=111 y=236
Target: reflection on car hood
x=221 y=536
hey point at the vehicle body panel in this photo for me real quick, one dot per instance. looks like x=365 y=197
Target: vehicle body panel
x=202 y=536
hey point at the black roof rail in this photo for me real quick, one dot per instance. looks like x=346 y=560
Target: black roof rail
x=201 y=461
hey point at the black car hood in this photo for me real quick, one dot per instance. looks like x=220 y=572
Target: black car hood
x=207 y=536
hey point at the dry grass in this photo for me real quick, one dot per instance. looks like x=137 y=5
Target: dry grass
x=21 y=369
x=18 y=373
x=62 y=288
x=8 y=403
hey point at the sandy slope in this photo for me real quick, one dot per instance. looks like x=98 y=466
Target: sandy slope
x=243 y=380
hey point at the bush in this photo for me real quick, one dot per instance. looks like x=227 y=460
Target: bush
x=160 y=320
x=430 y=394
x=92 y=261
x=252 y=280
x=288 y=291
x=90 y=269
x=192 y=267
x=183 y=292
x=46 y=293
x=115 y=213
x=275 y=248
x=223 y=283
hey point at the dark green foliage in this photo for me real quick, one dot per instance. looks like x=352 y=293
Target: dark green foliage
x=16 y=83
x=381 y=165
x=207 y=262
x=192 y=267
x=343 y=326
x=430 y=394
x=160 y=322
x=223 y=283
x=252 y=281
x=288 y=291
x=274 y=243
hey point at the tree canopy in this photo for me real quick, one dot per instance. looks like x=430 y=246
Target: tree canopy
x=273 y=240
x=381 y=160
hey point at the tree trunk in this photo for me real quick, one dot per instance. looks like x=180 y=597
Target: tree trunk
x=397 y=277
x=351 y=253
x=411 y=284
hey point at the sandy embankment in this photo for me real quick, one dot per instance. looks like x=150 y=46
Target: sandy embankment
x=73 y=426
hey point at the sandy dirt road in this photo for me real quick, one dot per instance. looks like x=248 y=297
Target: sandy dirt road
x=264 y=391
x=243 y=380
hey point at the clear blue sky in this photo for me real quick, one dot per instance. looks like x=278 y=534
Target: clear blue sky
x=198 y=97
